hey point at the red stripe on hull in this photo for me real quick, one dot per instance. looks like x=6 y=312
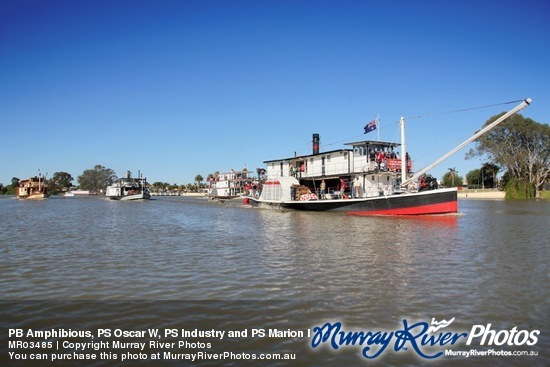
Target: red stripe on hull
x=441 y=208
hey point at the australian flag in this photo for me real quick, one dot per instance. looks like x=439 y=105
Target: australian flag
x=371 y=126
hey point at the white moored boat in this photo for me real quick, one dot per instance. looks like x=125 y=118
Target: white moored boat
x=128 y=188
x=231 y=185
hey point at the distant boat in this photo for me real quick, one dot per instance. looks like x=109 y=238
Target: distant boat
x=128 y=188
x=231 y=185
x=359 y=181
x=33 y=188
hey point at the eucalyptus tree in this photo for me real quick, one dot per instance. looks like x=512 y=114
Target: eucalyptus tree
x=14 y=182
x=521 y=146
x=96 y=179
x=60 y=181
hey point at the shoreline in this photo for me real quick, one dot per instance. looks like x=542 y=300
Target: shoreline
x=481 y=195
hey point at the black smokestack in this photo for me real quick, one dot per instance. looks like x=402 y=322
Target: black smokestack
x=315 y=143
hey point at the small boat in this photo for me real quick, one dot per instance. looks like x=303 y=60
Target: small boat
x=368 y=179
x=33 y=188
x=128 y=188
x=231 y=185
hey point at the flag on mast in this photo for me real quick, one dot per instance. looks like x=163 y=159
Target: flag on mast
x=371 y=126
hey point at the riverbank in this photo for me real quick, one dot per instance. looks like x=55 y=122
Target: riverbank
x=481 y=194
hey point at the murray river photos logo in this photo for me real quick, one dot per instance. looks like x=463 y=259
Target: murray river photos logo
x=428 y=341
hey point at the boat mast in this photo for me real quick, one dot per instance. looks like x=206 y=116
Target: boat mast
x=521 y=106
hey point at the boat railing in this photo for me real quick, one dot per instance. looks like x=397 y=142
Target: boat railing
x=342 y=168
x=395 y=165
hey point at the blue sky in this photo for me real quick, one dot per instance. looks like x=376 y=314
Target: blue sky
x=180 y=88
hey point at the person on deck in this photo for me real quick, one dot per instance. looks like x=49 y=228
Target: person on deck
x=379 y=158
x=357 y=187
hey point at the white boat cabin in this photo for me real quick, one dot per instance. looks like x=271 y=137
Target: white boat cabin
x=368 y=168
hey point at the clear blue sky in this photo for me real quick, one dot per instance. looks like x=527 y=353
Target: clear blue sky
x=180 y=88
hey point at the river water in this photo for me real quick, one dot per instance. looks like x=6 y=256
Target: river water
x=87 y=263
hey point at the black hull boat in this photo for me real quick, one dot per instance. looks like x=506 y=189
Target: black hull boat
x=441 y=201
x=435 y=202
x=368 y=179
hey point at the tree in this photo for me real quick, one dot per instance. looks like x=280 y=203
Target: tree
x=11 y=189
x=96 y=179
x=474 y=177
x=14 y=182
x=489 y=175
x=516 y=189
x=59 y=181
x=199 y=179
x=520 y=145
x=451 y=178
x=484 y=177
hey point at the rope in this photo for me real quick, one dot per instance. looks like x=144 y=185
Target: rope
x=463 y=110
x=429 y=115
